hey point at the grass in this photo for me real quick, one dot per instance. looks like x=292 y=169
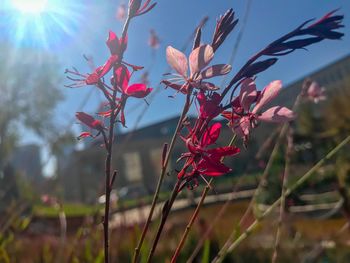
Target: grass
x=69 y=209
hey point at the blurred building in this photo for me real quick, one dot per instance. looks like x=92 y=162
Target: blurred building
x=332 y=76
x=24 y=166
x=26 y=161
x=137 y=155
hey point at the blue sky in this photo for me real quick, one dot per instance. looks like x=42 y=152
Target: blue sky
x=82 y=28
x=174 y=21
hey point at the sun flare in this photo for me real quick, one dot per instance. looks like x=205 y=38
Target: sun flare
x=30 y=6
x=40 y=23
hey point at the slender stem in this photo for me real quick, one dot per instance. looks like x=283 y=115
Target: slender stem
x=165 y=213
x=108 y=167
x=109 y=148
x=283 y=196
x=161 y=177
x=273 y=154
x=223 y=252
x=275 y=149
x=190 y=223
x=195 y=214
x=217 y=218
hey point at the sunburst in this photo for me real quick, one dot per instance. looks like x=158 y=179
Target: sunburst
x=40 y=23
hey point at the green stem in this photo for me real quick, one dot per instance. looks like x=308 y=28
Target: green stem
x=161 y=177
x=190 y=223
x=283 y=196
x=166 y=210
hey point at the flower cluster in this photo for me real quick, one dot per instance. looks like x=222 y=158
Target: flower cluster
x=119 y=89
x=243 y=116
x=249 y=107
x=204 y=160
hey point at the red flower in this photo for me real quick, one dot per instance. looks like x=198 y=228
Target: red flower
x=209 y=161
x=209 y=106
x=84 y=135
x=93 y=78
x=89 y=121
x=121 y=83
x=115 y=44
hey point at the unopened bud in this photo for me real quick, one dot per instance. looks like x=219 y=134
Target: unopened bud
x=134 y=6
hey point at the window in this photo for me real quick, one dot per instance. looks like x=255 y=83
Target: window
x=133 y=167
x=156 y=158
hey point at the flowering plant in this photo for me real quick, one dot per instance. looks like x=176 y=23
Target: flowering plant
x=243 y=110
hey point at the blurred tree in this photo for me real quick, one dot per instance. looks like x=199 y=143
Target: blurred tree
x=337 y=111
x=29 y=93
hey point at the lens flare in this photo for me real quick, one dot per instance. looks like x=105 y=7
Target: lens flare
x=40 y=23
x=30 y=6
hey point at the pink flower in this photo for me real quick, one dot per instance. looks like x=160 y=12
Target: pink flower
x=115 y=44
x=94 y=77
x=244 y=117
x=116 y=47
x=208 y=161
x=197 y=62
x=85 y=134
x=316 y=93
x=89 y=121
x=49 y=200
x=209 y=106
x=121 y=12
x=121 y=83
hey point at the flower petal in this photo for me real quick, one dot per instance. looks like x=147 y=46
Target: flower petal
x=247 y=94
x=122 y=75
x=177 y=60
x=211 y=168
x=215 y=70
x=218 y=153
x=242 y=128
x=93 y=78
x=200 y=57
x=139 y=90
x=84 y=135
x=105 y=114
x=205 y=86
x=99 y=72
x=211 y=134
x=277 y=114
x=89 y=121
x=113 y=43
x=268 y=94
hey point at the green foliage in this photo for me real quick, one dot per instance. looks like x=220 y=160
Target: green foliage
x=206 y=251
x=29 y=93
x=69 y=210
x=337 y=111
x=4 y=257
